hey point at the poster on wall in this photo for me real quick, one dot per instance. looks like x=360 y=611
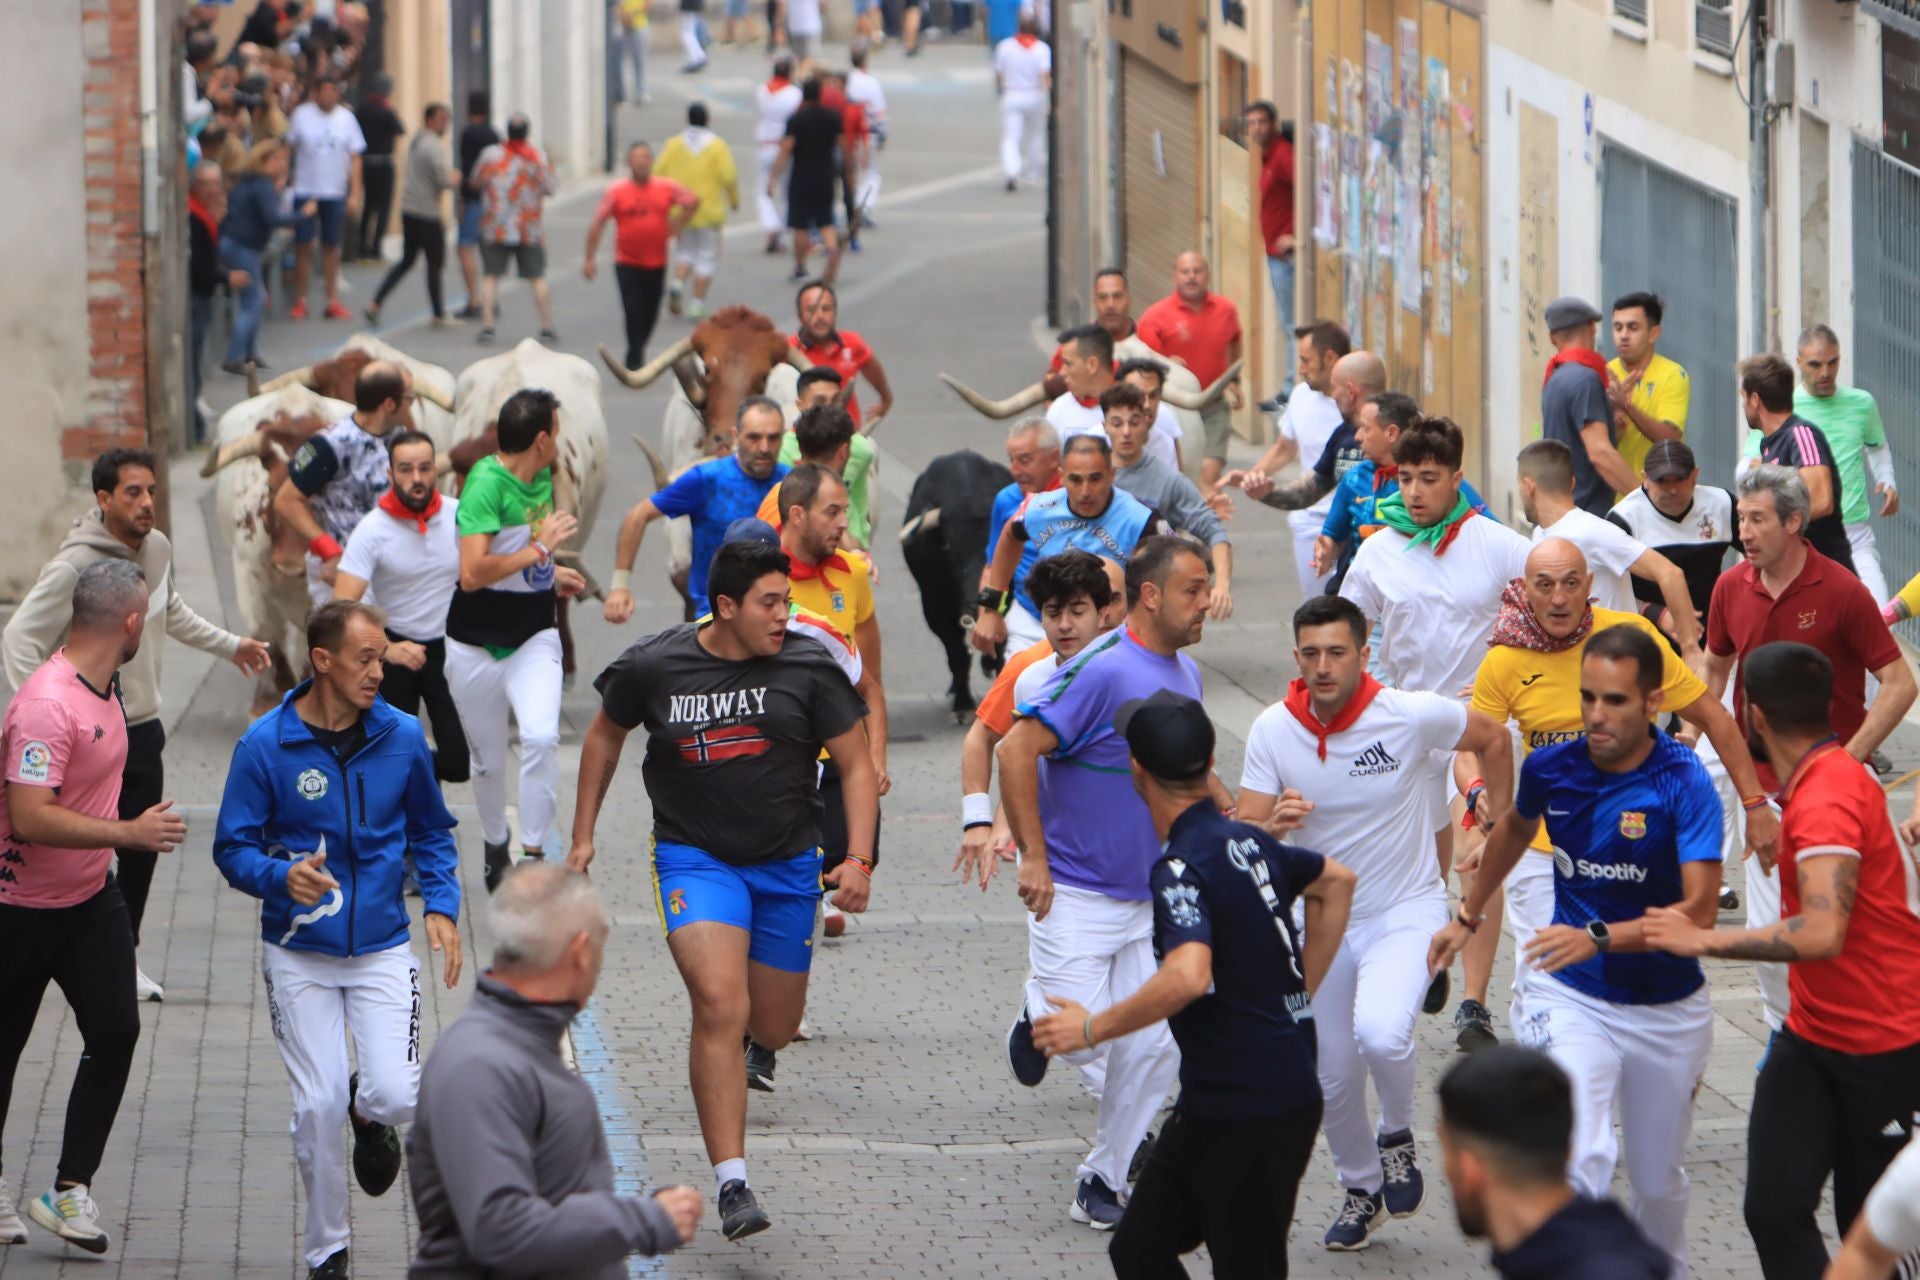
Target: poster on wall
x=1438 y=143
x=1406 y=215
x=1326 y=218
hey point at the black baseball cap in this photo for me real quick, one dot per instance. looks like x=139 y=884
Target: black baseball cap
x=1670 y=460
x=1169 y=734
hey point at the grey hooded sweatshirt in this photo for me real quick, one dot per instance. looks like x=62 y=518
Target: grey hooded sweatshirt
x=511 y=1174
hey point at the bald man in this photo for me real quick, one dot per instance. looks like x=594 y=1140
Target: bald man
x=1200 y=330
x=1356 y=376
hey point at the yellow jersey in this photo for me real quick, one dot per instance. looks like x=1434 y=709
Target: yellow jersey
x=1663 y=394
x=843 y=597
x=1540 y=692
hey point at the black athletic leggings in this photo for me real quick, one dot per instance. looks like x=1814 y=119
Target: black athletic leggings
x=1818 y=1111
x=88 y=950
x=142 y=784
x=1228 y=1183
x=640 y=290
x=419 y=237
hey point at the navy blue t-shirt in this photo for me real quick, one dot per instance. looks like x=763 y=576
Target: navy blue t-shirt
x=1619 y=840
x=1247 y=1046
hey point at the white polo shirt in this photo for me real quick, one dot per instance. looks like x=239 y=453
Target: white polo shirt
x=1436 y=612
x=1610 y=550
x=1372 y=795
x=1310 y=419
x=1071 y=418
x=413 y=575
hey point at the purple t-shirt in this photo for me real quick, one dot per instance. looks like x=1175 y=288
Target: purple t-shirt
x=1099 y=834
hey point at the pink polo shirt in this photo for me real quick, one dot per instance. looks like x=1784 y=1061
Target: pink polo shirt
x=60 y=733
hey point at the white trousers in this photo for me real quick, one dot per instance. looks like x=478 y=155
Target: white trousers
x=316 y=1002
x=1762 y=887
x=1529 y=910
x=699 y=248
x=1648 y=1057
x=690 y=25
x=1306 y=529
x=1364 y=1014
x=1866 y=562
x=1098 y=951
x=1023 y=135
x=1023 y=629
x=773 y=209
x=485 y=689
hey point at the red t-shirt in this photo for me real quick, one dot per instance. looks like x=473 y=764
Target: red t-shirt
x=1276 y=194
x=1867 y=998
x=1825 y=607
x=1200 y=337
x=64 y=735
x=639 y=218
x=849 y=355
x=853 y=116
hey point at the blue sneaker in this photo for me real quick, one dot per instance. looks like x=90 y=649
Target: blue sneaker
x=1352 y=1230
x=1095 y=1204
x=1024 y=1060
x=1404 y=1188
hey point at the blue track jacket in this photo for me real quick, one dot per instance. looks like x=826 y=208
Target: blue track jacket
x=287 y=797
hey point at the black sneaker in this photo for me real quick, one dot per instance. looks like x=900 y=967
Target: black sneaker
x=1403 y=1189
x=1027 y=1063
x=1437 y=992
x=468 y=312
x=1139 y=1161
x=496 y=864
x=334 y=1268
x=760 y=1061
x=376 y=1154
x=549 y=335
x=1729 y=900
x=1095 y=1204
x=485 y=336
x=740 y=1214
x=1473 y=1027
x=1352 y=1228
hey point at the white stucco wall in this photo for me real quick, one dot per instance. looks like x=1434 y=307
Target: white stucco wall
x=549 y=60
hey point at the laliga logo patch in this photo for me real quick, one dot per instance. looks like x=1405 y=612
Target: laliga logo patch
x=36 y=762
x=1182 y=904
x=312 y=784
x=1563 y=862
x=1633 y=825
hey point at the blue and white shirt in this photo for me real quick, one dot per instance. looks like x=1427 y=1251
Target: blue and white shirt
x=1048 y=524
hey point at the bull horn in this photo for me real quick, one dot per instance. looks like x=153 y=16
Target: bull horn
x=1018 y=402
x=253 y=379
x=798 y=358
x=443 y=464
x=301 y=377
x=660 y=478
x=645 y=374
x=928 y=519
x=434 y=397
x=1182 y=400
x=251 y=445
x=693 y=383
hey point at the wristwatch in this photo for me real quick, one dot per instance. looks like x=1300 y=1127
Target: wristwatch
x=1597 y=930
x=994 y=600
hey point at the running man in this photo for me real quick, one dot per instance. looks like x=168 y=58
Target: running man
x=503 y=649
x=1033 y=456
x=1789 y=440
x=647 y=210
x=1086 y=366
x=699 y=159
x=1310 y=419
x=1149 y=377
x=334 y=773
x=1634 y=825
x=842 y=350
x=62 y=918
x=1689 y=523
x=775 y=102
x=1840 y=1085
x=1087 y=854
x=736 y=709
x=714 y=494
x=1340 y=766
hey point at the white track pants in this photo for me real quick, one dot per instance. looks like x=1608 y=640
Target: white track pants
x=1529 y=910
x=773 y=209
x=1648 y=1057
x=1364 y=1015
x=1866 y=561
x=316 y=1002
x=1023 y=135
x=1305 y=526
x=1762 y=887
x=1098 y=951
x=526 y=684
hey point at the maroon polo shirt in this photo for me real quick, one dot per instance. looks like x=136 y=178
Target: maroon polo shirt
x=1825 y=607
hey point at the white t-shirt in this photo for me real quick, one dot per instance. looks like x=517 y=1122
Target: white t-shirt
x=1022 y=68
x=1311 y=418
x=1610 y=552
x=1165 y=435
x=1026 y=685
x=412 y=575
x=844 y=651
x=324 y=145
x=864 y=88
x=1436 y=612
x=1893 y=1206
x=803 y=17
x=1071 y=418
x=775 y=109
x=1372 y=795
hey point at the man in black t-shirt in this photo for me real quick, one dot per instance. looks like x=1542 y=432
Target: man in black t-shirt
x=736 y=709
x=1766 y=393
x=1690 y=523
x=1235 y=986
x=811 y=150
x=475 y=137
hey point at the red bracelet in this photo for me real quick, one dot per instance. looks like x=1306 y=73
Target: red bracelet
x=866 y=868
x=1750 y=803
x=325 y=547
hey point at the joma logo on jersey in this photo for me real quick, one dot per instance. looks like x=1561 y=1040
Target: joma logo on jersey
x=1633 y=825
x=693 y=707
x=1374 y=760
x=1548 y=737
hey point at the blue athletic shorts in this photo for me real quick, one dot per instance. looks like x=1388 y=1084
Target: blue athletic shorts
x=470 y=222
x=329 y=221
x=775 y=902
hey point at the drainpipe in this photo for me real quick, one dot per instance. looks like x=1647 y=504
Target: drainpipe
x=1758 y=137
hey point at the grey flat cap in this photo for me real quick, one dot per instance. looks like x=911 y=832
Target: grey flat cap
x=1565 y=313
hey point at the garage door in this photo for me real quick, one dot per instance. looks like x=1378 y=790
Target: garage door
x=1160 y=127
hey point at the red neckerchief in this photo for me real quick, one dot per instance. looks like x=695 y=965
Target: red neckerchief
x=1300 y=703
x=800 y=571
x=1027 y=41
x=1453 y=531
x=1577 y=355
x=1087 y=402
x=1519 y=627
x=522 y=148
x=1383 y=472
x=391 y=504
x=206 y=217
x=778 y=83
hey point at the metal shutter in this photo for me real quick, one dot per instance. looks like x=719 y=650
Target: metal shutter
x=1160 y=174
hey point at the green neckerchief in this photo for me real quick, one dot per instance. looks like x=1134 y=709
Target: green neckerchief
x=1392 y=512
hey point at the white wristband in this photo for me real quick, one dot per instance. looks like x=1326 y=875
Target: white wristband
x=621 y=577
x=976 y=809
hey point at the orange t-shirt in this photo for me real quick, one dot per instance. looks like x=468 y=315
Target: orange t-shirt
x=996 y=709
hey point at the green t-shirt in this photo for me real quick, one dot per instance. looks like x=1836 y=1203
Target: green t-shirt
x=1850 y=420
x=859 y=471
x=504 y=616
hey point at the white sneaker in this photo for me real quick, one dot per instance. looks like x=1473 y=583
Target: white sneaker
x=12 y=1229
x=73 y=1216
x=146 y=988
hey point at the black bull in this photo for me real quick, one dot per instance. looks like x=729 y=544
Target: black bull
x=944 y=538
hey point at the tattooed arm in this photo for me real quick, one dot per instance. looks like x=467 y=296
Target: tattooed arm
x=599 y=759
x=1829 y=881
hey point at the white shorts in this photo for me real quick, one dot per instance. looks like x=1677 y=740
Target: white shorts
x=699 y=248
x=1023 y=629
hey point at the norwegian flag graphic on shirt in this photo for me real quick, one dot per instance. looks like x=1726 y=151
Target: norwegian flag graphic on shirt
x=716 y=740
x=711 y=745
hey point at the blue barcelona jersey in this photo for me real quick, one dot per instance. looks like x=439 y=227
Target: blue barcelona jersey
x=1619 y=840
